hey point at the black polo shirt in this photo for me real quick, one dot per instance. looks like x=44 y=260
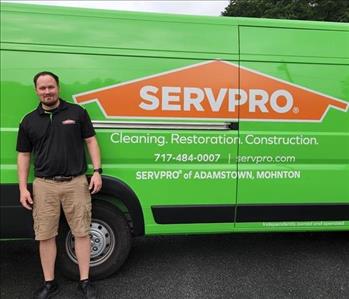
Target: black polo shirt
x=56 y=139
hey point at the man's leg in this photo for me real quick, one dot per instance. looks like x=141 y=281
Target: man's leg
x=46 y=212
x=76 y=204
x=77 y=208
x=48 y=252
x=83 y=251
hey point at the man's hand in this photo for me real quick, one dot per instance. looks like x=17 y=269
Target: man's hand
x=93 y=149
x=95 y=183
x=26 y=199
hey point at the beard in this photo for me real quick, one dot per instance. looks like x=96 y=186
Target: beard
x=50 y=101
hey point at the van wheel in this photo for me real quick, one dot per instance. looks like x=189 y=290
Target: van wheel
x=110 y=243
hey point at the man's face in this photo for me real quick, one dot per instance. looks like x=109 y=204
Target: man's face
x=47 y=91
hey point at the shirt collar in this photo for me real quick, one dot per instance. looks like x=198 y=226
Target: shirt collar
x=62 y=106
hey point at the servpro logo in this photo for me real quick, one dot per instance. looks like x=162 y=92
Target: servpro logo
x=212 y=90
x=194 y=98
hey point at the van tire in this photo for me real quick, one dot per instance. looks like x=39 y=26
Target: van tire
x=110 y=243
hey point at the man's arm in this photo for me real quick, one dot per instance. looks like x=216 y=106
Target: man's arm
x=93 y=149
x=23 y=165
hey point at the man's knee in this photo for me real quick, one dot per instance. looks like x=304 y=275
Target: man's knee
x=48 y=241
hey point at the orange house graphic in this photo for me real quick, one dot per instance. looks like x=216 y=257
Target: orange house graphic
x=217 y=90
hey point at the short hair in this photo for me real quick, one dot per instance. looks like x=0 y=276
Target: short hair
x=45 y=73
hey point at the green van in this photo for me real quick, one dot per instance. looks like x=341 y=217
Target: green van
x=206 y=124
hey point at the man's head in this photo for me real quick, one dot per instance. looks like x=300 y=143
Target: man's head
x=47 y=89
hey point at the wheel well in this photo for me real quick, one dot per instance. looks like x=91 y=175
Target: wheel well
x=120 y=195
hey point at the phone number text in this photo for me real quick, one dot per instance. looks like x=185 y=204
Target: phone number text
x=213 y=158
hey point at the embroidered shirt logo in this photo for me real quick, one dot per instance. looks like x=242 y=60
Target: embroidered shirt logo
x=68 y=122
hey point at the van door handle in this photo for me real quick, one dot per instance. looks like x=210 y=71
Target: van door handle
x=233 y=126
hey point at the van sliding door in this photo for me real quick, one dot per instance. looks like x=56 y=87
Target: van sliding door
x=294 y=129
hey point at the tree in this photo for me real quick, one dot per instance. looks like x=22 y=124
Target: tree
x=320 y=10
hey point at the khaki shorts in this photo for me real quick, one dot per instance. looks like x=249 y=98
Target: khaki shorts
x=75 y=198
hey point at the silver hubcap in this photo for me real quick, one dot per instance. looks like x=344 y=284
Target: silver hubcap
x=102 y=243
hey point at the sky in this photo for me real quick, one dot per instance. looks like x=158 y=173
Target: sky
x=199 y=7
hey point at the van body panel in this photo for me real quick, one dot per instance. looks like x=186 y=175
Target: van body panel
x=287 y=44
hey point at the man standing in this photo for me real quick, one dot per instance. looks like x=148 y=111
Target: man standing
x=55 y=132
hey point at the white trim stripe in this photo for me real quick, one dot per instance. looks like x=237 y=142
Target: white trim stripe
x=8 y=129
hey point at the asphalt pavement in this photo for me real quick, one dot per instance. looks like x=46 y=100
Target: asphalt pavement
x=293 y=265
